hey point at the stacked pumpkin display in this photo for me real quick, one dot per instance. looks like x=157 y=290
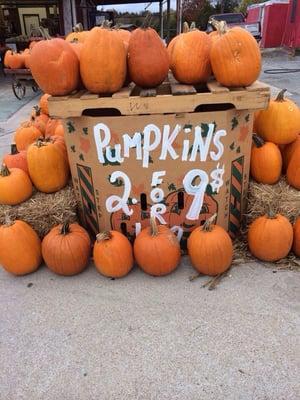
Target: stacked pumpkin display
x=276 y=151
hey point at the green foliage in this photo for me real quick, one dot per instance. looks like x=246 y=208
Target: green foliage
x=242 y=7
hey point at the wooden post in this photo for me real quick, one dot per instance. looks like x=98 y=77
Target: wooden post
x=161 y=14
x=178 y=16
x=168 y=21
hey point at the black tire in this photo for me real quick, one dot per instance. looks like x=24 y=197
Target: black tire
x=18 y=89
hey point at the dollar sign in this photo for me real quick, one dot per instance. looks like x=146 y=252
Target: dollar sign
x=217 y=178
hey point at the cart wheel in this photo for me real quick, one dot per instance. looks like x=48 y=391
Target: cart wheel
x=18 y=89
x=35 y=88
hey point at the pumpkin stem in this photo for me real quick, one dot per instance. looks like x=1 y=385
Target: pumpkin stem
x=258 y=141
x=271 y=214
x=280 y=96
x=65 y=229
x=13 y=149
x=8 y=221
x=106 y=24
x=78 y=27
x=147 y=21
x=105 y=235
x=185 y=27
x=4 y=170
x=207 y=226
x=220 y=26
x=40 y=143
x=193 y=26
x=153 y=225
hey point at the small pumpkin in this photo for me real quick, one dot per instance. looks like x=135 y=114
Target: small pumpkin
x=44 y=103
x=66 y=249
x=266 y=161
x=59 y=130
x=55 y=66
x=14 y=60
x=235 y=56
x=190 y=57
x=48 y=164
x=26 y=134
x=16 y=159
x=280 y=122
x=39 y=120
x=296 y=240
x=51 y=126
x=288 y=151
x=156 y=250
x=103 y=61
x=113 y=254
x=293 y=169
x=15 y=186
x=270 y=237
x=210 y=248
x=78 y=35
x=20 y=248
x=148 y=59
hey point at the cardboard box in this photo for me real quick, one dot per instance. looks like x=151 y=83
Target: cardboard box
x=178 y=158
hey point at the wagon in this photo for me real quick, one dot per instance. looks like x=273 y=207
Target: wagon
x=21 y=78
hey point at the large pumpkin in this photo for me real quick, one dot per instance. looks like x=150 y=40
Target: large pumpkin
x=77 y=47
x=280 y=122
x=103 y=61
x=235 y=57
x=288 y=151
x=15 y=186
x=113 y=254
x=48 y=164
x=14 y=60
x=16 y=159
x=156 y=250
x=20 y=248
x=293 y=169
x=79 y=35
x=26 y=56
x=55 y=66
x=26 y=134
x=210 y=248
x=270 y=237
x=190 y=57
x=266 y=161
x=148 y=59
x=124 y=35
x=170 y=48
x=44 y=103
x=66 y=249
x=296 y=241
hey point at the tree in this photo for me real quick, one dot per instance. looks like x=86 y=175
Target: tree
x=242 y=7
x=197 y=11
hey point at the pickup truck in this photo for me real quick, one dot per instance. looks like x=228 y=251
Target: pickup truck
x=237 y=19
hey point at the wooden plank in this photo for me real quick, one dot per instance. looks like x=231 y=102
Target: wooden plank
x=124 y=93
x=24 y=71
x=148 y=92
x=88 y=96
x=258 y=86
x=179 y=89
x=58 y=98
x=216 y=87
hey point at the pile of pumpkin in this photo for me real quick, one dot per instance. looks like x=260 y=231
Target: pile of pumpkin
x=103 y=60
x=20 y=60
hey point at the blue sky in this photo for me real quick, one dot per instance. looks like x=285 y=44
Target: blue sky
x=138 y=7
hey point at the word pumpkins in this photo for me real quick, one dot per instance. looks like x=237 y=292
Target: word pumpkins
x=103 y=61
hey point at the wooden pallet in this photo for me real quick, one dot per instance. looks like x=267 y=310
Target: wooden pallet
x=169 y=97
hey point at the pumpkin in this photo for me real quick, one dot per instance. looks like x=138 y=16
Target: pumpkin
x=288 y=151
x=15 y=186
x=51 y=126
x=235 y=56
x=148 y=59
x=266 y=161
x=44 y=103
x=26 y=55
x=124 y=35
x=26 y=134
x=293 y=169
x=79 y=35
x=103 y=61
x=113 y=254
x=55 y=66
x=66 y=249
x=280 y=122
x=59 y=130
x=190 y=57
x=14 y=60
x=16 y=159
x=156 y=249
x=210 y=248
x=270 y=237
x=296 y=240
x=20 y=248
x=39 y=120
x=32 y=44
x=170 y=48
x=48 y=164
x=77 y=47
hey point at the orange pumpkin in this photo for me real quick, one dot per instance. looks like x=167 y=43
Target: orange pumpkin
x=59 y=130
x=14 y=60
x=124 y=35
x=280 y=122
x=210 y=248
x=103 y=61
x=148 y=59
x=51 y=126
x=235 y=57
x=77 y=47
x=266 y=161
x=170 y=48
x=44 y=103
x=39 y=120
x=26 y=134
x=48 y=164
x=296 y=241
x=113 y=254
x=32 y=44
x=156 y=250
x=288 y=151
x=66 y=249
x=20 y=248
x=270 y=237
x=26 y=55
x=190 y=57
x=16 y=159
x=55 y=66
x=79 y=35
x=293 y=169
x=15 y=186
